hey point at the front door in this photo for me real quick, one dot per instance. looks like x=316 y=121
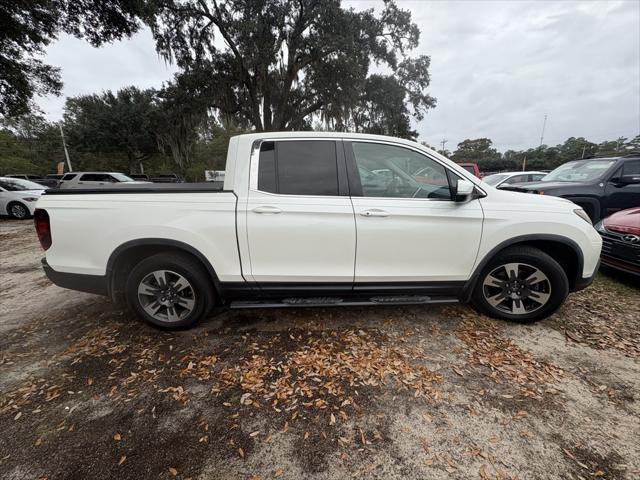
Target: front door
x=299 y=216
x=620 y=195
x=409 y=228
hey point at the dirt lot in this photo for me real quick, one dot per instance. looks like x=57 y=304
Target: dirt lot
x=87 y=391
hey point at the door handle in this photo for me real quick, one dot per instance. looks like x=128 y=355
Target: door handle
x=267 y=209
x=375 y=212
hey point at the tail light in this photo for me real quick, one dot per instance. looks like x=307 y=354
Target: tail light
x=43 y=227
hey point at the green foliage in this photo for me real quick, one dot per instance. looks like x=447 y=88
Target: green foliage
x=541 y=158
x=273 y=65
x=116 y=125
x=28 y=26
x=29 y=144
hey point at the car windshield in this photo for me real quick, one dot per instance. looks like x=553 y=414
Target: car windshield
x=19 y=185
x=578 y=171
x=122 y=178
x=494 y=179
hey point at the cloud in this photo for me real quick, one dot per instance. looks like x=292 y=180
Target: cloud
x=497 y=68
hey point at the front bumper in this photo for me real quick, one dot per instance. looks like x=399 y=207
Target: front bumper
x=584 y=282
x=618 y=253
x=96 y=284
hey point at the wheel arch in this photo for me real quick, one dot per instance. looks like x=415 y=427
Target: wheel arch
x=562 y=249
x=124 y=257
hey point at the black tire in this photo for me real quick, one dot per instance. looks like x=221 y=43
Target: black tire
x=525 y=299
x=199 y=294
x=18 y=210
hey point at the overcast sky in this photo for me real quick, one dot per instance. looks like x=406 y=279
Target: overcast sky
x=496 y=69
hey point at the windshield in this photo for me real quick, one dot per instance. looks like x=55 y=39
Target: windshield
x=19 y=185
x=122 y=178
x=494 y=179
x=579 y=171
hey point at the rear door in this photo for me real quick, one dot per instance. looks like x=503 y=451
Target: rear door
x=409 y=228
x=300 y=221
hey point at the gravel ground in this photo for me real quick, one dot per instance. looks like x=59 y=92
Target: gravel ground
x=88 y=391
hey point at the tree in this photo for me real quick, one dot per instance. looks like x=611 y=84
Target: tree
x=480 y=151
x=182 y=111
x=120 y=125
x=28 y=26
x=273 y=64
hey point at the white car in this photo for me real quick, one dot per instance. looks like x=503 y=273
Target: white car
x=509 y=178
x=18 y=197
x=304 y=221
x=95 y=179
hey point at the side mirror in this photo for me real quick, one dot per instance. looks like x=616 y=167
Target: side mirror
x=463 y=190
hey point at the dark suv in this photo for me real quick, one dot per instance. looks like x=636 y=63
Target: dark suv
x=601 y=186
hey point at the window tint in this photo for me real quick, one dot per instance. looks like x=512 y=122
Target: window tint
x=537 y=176
x=305 y=167
x=69 y=176
x=267 y=168
x=96 y=177
x=631 y=168
x=390 y=171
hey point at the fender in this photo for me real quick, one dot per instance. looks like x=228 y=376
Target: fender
x=467 y=290
x=591 y=202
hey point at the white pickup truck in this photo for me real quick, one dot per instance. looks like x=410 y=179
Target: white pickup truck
x=319 y=219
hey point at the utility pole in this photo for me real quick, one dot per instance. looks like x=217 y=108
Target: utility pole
x=544 y=124
x=443 y=143
x=66 y=153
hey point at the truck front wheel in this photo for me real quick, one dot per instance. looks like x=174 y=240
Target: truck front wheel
x=170 y=290
x=522 y=284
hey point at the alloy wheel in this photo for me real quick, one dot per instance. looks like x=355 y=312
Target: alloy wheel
x=516 y=288
x=18 y=211
x=166 y=296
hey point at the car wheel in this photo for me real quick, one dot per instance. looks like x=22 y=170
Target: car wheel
x=521 y=284
x=18 y=211
x=170 y=290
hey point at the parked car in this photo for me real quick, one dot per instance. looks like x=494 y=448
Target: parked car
x=24 y=176
x=18 y=197
x=601 y=186
x=296 y=225
x=94 y=179
x=167 y=178
x=140 y=176
x=509 y=178
x=472 y=168
x=620 y=234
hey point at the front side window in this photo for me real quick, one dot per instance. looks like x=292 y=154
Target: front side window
x=390 y=171
x=517 y=179
x=300 y=167
x=631 y=168
x=69 y=176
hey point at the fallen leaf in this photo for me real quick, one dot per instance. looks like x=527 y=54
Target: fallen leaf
x=279 y=472
x=241 y=452
x=122 y=459
x=173 y=472
x=332 y=421
x=117 y=437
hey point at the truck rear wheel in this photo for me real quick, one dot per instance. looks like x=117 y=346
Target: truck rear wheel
x=521 y=284
x=170 y=290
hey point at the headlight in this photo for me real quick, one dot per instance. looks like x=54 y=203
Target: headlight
x=30 y=199
x=583 y=215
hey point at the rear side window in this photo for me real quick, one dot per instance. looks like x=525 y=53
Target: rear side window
x=300 y=167
x=96 y=177
x=631 y=168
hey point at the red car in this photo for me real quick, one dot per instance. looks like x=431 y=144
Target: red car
x=471 y=168
x=620 y=234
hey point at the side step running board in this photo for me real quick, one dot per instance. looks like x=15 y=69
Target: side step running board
x=343 y=302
